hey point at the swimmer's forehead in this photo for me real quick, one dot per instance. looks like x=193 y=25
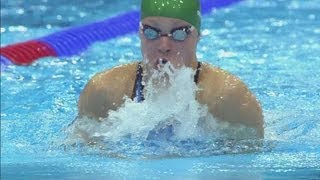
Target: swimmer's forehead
x=163 y=22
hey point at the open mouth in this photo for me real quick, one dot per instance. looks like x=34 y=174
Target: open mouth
x=162 y=61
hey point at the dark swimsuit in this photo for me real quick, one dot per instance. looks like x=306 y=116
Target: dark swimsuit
x=137 y=94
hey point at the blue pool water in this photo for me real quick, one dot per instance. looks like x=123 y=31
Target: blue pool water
x=272 y=45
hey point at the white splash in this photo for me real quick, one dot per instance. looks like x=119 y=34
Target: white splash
x=170 y=111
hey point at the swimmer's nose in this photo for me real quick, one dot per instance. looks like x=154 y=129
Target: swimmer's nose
x=164 y=45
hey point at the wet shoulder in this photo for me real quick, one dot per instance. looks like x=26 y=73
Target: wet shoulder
x=116 y=77
x=229 y=99
x=216 y=79
x=106 y=90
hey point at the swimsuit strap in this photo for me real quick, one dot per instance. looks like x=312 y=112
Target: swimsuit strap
x=137 y=94
x=196 y=76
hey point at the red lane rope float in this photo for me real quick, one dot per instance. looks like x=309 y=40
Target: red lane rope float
x=26 y=52
x=75 y=40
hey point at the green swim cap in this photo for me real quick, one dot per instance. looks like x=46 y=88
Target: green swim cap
x=187 y=10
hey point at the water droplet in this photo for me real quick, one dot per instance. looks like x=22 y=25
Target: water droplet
x=20 y=11
x=312 y=17
x=3 y=30
x=59 y=17
x=205 y=32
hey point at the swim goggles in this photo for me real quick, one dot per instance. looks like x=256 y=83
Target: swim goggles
x=177 y=34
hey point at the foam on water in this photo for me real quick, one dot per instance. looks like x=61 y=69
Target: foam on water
x=272 y=45
x=170 y=116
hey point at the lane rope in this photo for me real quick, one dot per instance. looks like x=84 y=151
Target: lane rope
x=76 y=40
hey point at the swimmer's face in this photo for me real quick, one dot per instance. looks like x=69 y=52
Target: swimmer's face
x=162 y=49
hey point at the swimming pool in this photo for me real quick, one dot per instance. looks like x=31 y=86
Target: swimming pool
x=270 y=45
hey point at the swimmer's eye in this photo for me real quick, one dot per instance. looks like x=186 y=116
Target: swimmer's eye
x=151 y=33
x=180 y=34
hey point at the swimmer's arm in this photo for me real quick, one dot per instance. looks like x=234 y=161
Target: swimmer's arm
x=93 y=101
x=106 y=91
x=239 y=105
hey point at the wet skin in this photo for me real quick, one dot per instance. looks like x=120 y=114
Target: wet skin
x=227 y=97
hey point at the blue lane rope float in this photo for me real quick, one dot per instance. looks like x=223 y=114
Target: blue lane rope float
x=208 y=5
x=74 y=41
x=80 y=38
x=4 y=62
